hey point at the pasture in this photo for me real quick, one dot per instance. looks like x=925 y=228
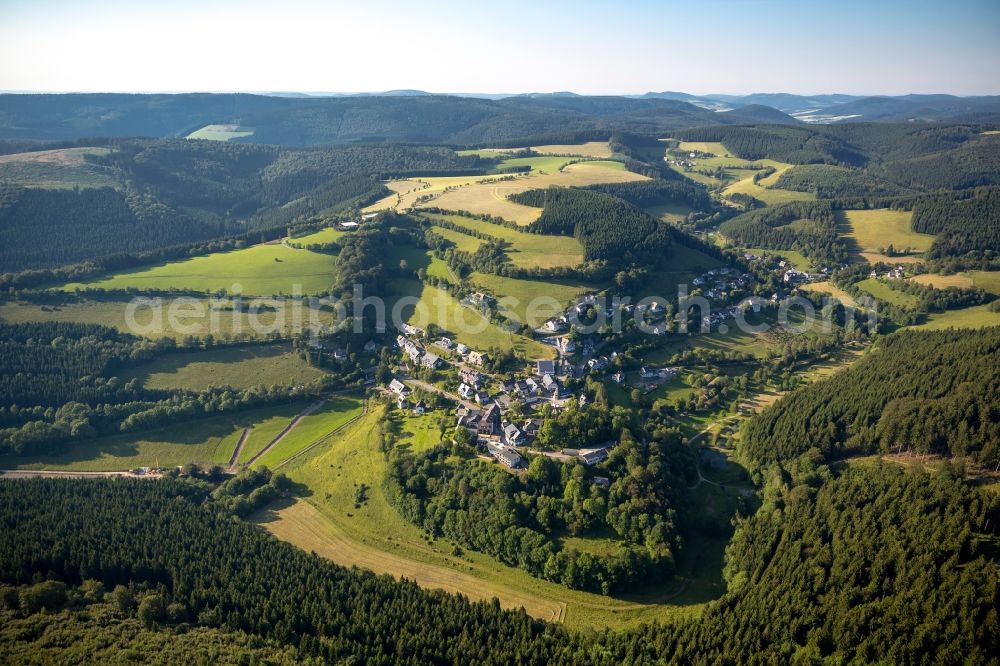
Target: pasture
x=488 y=194
x=221 y=132
x=884 y=292
x=312 y=427
x=56 y=169
x=267 y=428
x=209 y=316
x=520 y=293
x=595 y=149
x=321 y=237
x=374 y=536
x=978 y=316
x=869 y=232
x=206 y=441
x=260 y=270
x=526 y=250
x=764 y=189
x=464 y=324
x=827 y=287
x=462 y=242
x=238 y=367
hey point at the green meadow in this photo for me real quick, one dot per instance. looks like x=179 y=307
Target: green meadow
x=528 y=291
x=239 y=367
x=261 y=270
x=884 y=292
x=525 y=250
x=335 y=412
x=220 y=132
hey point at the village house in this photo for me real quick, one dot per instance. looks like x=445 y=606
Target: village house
x=592 y=456
x=419 y=408
x=477 y=358
x=544 y=368
x=461 y=349
x=556 y=324
x=512 y=435
x=413 y=330
x=430 y=360
x=488 y=429
x=648 y=372
x=470 y=377
x=444 y=343
x=466 y=391
x=618 y=377
x=399 y=388
x=507 y=457
x=602 y=482
x=550 y=385
x=565 y=345
x=402 y=403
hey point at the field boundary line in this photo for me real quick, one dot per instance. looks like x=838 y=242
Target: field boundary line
x=324 y=438
x=287 y=429
x=239 y=447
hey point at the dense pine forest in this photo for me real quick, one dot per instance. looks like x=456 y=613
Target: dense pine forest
x=807 y=227
x=928 y=393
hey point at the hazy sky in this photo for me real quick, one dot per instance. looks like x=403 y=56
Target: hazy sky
x=698 y=46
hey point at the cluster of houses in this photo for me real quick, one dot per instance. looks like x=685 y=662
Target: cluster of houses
x=402 y=392
x=898 y=272
x=417 y=354
x=718 y=283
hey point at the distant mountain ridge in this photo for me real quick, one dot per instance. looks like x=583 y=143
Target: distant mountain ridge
x=415 y=116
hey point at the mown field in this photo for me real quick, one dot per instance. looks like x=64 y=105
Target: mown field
x=870 y=232
x=978 y=316
x=261 y=270
x=885 y=293
x=375 y=537
x=826 y=287
x=155 y=320
x=209 y=441
x=522 y=293
x=488 y=194
x=55 y=169
x=238 y=367
x=525 y=250
x=464 y=324
x=588 y=149
x=221 y=132
x=314 y=426
x=986 y=280
x=765 y=189
x=328 y=235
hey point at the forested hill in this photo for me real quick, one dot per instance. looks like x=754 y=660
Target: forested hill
x=138 y=195
x=925 y=392
x=317 y=121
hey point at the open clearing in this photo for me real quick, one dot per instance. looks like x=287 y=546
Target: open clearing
x=588 y=149
x=261 y=270
x=238 y=367
x=978 y=316
x=209 y=441
x=465 y=324
x=764 y=189
x=525 y=250
x=884 y=292
x=827 y=287
x=375 y=537
x=487 y=195
x=462 y=242
x=986 y=280
x=206 y=317
x=55 y=169
x=221 y=132
x=515 y=295
x=328 y=235
x=868 y=231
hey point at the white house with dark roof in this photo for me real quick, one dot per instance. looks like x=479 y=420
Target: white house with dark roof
x=399 y=388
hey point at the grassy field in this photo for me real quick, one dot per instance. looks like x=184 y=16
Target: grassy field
x=238 y=367
x=221 y=132
x=419 y=433
x=328 y=235
x=488 y=194
x=526 y=250
x=334 y=413
x=885 y=293
x=978 y=316
x=943 y=281
x=588 y=149
x=55 y=169
x=463 y=242
x=826 y=287
x=764 y=189
x=261 y=270
x=797 y=259
x=868 y=230
x=465 y=324
x=204 y=441
x=715 y=148
x=208 y=319
x=375 y=537
x=527 y=291
x=671 y=212
x=267 y=428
